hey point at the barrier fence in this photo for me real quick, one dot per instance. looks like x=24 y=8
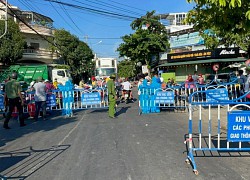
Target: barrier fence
x=63 y=100
x=176 y=97
x=217 y=124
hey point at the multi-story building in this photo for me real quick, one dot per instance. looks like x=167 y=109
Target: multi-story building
x=36 y=29
x=188 y=53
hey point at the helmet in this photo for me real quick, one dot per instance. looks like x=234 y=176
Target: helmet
x=14 y=75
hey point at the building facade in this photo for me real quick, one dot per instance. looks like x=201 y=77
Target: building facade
x=188 y=53
x=36 y=29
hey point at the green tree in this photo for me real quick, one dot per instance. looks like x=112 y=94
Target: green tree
x=227 y=20
x=74 y=52
x=126 y=69
x=149 y=39
x=11 y=44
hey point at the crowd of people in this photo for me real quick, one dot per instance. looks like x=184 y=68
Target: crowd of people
x=13 y=97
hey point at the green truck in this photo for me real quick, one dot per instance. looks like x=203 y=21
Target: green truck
x=28 y=73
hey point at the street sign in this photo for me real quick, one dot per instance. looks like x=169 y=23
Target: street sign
x=93 y=98
x=164 y=97
x=216 y=95
x=216 y=67
x=238 y=126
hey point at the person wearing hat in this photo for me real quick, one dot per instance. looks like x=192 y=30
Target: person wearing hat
x=48 y=85
x=55 y=83
x=111 y=95
x=13 y=94
x=40 y=97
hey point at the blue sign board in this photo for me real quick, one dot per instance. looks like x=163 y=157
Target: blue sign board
x=51 y=100
x=238 y=126
x=91 y=98
x=186 y=40
x=1 y=102
x=164 y=97
x=216 y=95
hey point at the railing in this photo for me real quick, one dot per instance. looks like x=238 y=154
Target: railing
x=40 y=29
x=57 y=100
x=176 y=97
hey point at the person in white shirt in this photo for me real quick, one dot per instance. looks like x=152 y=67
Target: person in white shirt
x=40 y=97
x=126 y=86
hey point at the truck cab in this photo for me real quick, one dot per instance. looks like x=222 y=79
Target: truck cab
x=62 y=75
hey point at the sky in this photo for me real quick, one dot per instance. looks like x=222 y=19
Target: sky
x=100 y=23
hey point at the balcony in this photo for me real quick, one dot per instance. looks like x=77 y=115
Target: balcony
x=43 y=30
x=39 y=55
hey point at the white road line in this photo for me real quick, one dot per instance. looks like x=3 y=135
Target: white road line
x=72 y=130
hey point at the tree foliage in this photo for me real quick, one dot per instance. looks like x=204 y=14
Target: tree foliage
x=148 y=40
x=74 y=52
x=126 y=69
x=228 y=20
x=11 y=44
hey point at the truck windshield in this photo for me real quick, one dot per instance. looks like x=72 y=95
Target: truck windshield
x=105 y=71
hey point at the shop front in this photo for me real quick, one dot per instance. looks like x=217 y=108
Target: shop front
x=202 y=61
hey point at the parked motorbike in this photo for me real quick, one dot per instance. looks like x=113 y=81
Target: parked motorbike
x=127 y=96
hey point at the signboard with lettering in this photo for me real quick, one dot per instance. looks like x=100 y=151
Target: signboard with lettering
x=226 y=52
x=192 y=55
x=93 y=98
x=186 y=40
x=1 y=102
x=204 y=54
x=164 y=97
x=215 y=95
x=238 y=126
x=51 y=100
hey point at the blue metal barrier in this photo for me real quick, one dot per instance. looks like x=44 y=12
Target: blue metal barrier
x=203 y=139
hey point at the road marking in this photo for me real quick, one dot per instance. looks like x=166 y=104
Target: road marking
x=72 y=130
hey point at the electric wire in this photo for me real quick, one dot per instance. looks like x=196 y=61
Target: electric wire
x=101 y=12
x=61 y=16
x=29 y=6
x=110 y=6
x=21 y=20
x=128 y=6
x=66 y=12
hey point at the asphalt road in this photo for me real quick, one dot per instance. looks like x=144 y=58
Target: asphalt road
x=91 y=146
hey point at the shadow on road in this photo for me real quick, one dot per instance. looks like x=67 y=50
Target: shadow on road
x=54 y=121
x=22 y=163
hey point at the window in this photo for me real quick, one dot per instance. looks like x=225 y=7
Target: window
x=2 y=16
x=113 y=63
x=34 y=46
x=61 y=73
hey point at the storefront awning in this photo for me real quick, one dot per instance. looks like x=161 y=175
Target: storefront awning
x=241 y=59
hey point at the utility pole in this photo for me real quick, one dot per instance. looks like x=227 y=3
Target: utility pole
x=86 y=39
x=6 y=19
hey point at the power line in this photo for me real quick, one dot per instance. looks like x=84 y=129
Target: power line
x=101 y=12
x=20 y=19
x=61 y=16
x=110 y=6
x=128 y=6
x=70 y=18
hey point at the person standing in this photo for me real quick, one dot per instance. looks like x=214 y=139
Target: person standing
x=40 y=97
x=111 y=95
x=55 y=83
x=49 y=86
x=13 y=94
x=195 y=77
